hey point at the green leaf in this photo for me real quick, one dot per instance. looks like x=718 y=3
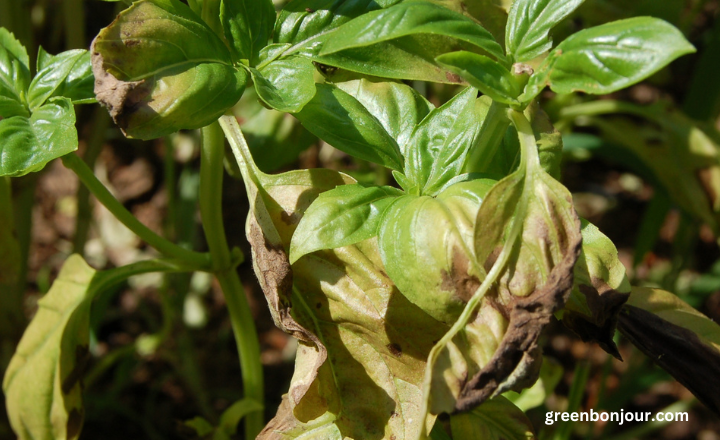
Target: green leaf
x=159 y=68
x=156 y=35
x=359 y=367
x=29 y=143
x=492 y=14
x=600 y=289
x=342 y=121
x=341 y=217
x=496 y=419
x=231 y=417
x=551 y=372
x=681 y=340
x=485 y=74
x=248 y=25
x=426 y=247
x=436 y=151
x=14 y=76
x=42 y=383
x=67 y=74
x=529 y=25
x=610 y=57
x=410 y=18
x=398 y=107
x=527 y=237
x=286 y=84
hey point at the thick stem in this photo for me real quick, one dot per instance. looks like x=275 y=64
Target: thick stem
x=211 y=178
x=491 y=136
x=87 y=177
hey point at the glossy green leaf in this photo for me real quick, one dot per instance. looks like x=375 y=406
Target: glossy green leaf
x=29 y=143
x=551 y=372
x=341 y=217
x=359 y=367
x=410 y=18
x=529 y=25
x=485 y=74
x=496 y=419
x=159 y=68
x=42 y=383
x=678 y=338
x=398 y=107
x=14 y=76
x=426 y=247
x=527 y=237
x=67 y=74
x=286 y=84
x=248 y=25
x=600 y=289
x=342 y=121
x=438 y=147
x=610 y=57
x=492 y=14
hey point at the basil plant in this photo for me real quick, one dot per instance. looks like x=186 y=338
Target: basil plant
x=410 y=300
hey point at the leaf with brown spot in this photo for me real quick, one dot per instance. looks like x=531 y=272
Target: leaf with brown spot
x=159 y=69
x=363 y=344
x=599 y=291
x=527 y=235
x=678 y=338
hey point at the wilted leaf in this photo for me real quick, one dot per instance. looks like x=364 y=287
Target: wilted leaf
x=677 y=337
x=496 y=419
x=363 y=345
x=159 y=68
x=550 y=374
x=426 y=247
x=527 y=235
x=600 y=290
x=29 y=143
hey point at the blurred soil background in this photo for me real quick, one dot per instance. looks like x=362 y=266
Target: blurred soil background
x=162 y=346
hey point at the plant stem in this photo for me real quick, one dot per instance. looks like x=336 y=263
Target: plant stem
x=100 y=122
x=603 y=107
x=491 y=136
x=211 y=178
x=87 y=177
x=74 y=23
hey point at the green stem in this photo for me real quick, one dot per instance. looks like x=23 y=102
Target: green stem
x=100 y=122
x=87 y=177
x=211 y=178
x=74 y=23
x=491 y=136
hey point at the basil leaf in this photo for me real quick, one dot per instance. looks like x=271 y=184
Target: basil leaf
x=159 y=68
x=31 y=142
x=398 y=107
x=67 y=74
x=485 y=74
x=498 y=418
x=14 y=76
x=248 y=25
x=529 y=25
x=285 y=84
x=436 y=151
x=426 y=247
x=492 y=14
x=342 y=121
x=407 y=19
x=341 y=217
x=610 y=57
